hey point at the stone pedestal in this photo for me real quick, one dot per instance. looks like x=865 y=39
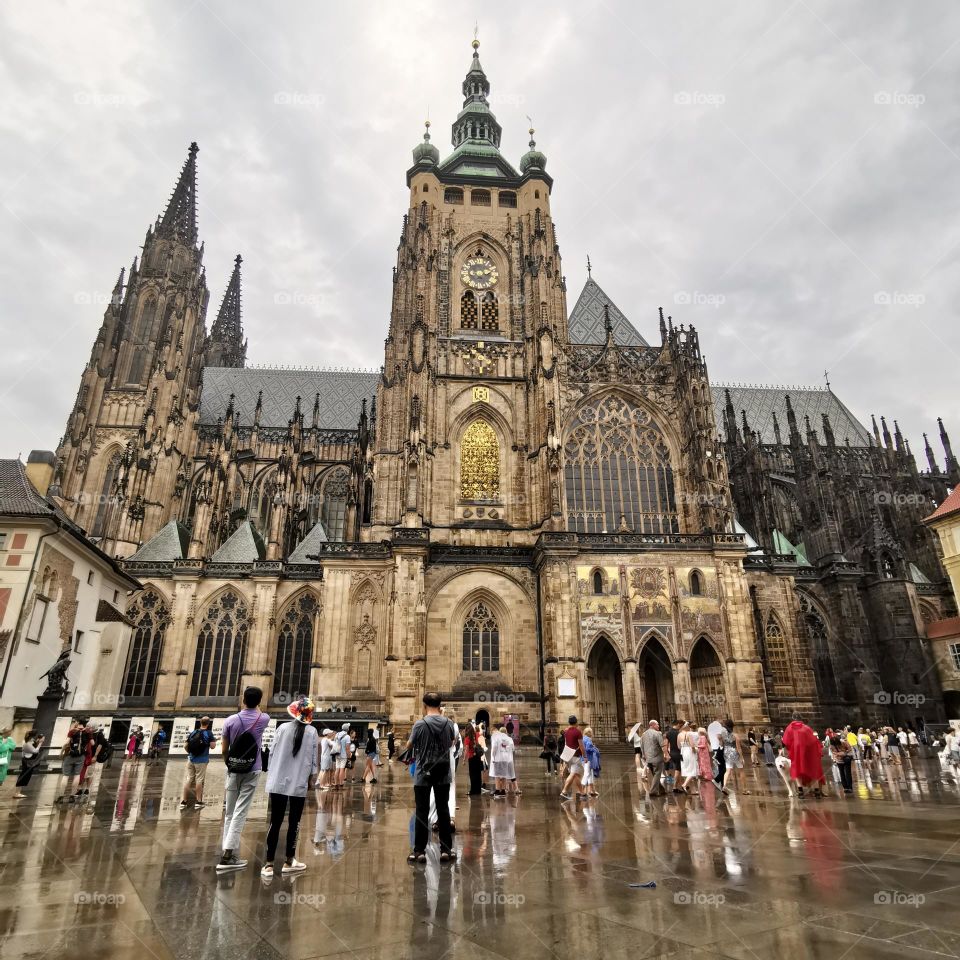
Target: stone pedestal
x=48 y=708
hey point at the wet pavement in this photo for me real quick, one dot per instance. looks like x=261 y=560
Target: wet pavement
x=875 y=874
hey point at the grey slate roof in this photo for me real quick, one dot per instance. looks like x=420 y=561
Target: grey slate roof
x=586 y=319
x=170 y=542
x=309 y=544
x=761 y=403
x=244 y=545
x=341 y=393
x=17 y=493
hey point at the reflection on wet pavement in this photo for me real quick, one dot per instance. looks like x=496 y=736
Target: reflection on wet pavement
x=129 y=874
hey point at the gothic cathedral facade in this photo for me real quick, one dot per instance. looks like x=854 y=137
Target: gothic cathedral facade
x=529 y=509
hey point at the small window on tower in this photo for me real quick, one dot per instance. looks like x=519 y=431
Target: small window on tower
x=426 y=189
x=453 y=195
x=507 y=199
x=489 y=314
x=480 y=198
x=468 y=311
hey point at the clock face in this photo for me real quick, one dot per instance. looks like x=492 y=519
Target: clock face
x=479 y=273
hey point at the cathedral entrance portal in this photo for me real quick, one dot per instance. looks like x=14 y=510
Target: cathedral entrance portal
x=656 y=681
x=706 y=681
x=605 y=690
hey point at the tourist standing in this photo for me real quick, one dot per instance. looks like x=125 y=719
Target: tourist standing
x=73 y=756
x=704 y=755
x=591 y=763
x=198 y=759
x=391 y=746
x=30 y=755
x=688 y=754
x=327 y=765
x=804 y=749
x=240 y=745
x=732 y=756
x=371 y=752
x=842 y=754
x=633 y=738
x=293 y=766
x=715 y=733
x=673 y=755
x=769 y=755
x=342 y=755
x=501 y=762
x=651 y=745
x=474 y=754
x=549 y=753
x=429 y=744
x=573 y=757
x=7 y=746
x=754 y=748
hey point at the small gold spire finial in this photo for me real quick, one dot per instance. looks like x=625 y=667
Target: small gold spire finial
x=476 y=43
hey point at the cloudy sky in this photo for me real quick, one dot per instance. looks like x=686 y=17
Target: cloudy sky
x=783 y=175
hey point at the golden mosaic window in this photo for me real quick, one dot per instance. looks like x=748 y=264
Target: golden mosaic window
x=479 y=463
x=469 y=316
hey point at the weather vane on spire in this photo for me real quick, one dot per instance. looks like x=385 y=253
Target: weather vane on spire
x=476 y=30
x=589 y=268
x=826 y=376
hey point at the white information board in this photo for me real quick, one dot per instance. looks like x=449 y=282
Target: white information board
x=182 y=728
x=566 y=687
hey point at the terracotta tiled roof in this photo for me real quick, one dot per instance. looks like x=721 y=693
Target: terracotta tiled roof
x=940 y=629
x=950 y=505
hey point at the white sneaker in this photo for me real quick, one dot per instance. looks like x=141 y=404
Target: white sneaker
x=295 y=866
x=267 y=871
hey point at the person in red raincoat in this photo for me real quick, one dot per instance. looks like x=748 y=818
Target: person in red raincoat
x=804 y=749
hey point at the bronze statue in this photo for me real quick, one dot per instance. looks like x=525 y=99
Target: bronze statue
x=57 y=682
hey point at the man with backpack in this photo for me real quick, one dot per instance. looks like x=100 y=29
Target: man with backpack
x=342 y=753
x=74 y=757
x=241 y=743
x=198 y=757
x=429 y=745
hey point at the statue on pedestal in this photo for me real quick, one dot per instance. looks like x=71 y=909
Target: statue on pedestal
x=57 y=682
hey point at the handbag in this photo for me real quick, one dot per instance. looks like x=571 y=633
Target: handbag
x=568 y=754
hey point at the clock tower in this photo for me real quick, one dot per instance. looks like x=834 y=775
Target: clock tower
x=466 y=441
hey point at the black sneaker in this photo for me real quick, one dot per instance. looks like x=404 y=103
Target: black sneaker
x=230 y=861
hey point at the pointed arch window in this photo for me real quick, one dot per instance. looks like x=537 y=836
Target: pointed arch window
x=221 y=649
x=618 y=472
x=107 y=498
x=333 y=513
x=481 y=640
x=295 y=650
x=597 y=581
x=150 y=620
x=778 y=660
x=479 y=462
x=261 y=500
x=469 y=315
x=696 y=584
x=148 y=318
x=489 y=312
x=819 y=640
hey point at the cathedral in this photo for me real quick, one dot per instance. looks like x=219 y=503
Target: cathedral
x=534 y=510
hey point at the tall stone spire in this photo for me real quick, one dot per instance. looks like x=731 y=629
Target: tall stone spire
x=226 y=346
x=180 y=218
x=476 y=124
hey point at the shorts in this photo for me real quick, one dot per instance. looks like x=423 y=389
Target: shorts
x=71 y=766
x=638 y=750
x=196 y=774
x=575 y=765
x=341 y=763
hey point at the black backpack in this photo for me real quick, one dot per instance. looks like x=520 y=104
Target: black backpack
x=196 y=744
x=435 y=760
x=242 y=752
x=106 y=749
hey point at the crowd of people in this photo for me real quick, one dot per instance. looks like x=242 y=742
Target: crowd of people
x=681 y=758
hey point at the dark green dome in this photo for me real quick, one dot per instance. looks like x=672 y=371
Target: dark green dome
x=533 y=159
x=426 y=152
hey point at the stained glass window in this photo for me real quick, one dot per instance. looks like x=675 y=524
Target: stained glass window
x=221 y=649
x=295 y=650
x=777 y=657
x=617 y=473
x=150 y=619
x=479 y=463
x=481 y=640
x=468 y=311
x=333 y=514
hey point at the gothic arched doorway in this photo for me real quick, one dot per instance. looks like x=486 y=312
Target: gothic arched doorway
x=656 y=682
x=605 y=690
x=706 y=682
